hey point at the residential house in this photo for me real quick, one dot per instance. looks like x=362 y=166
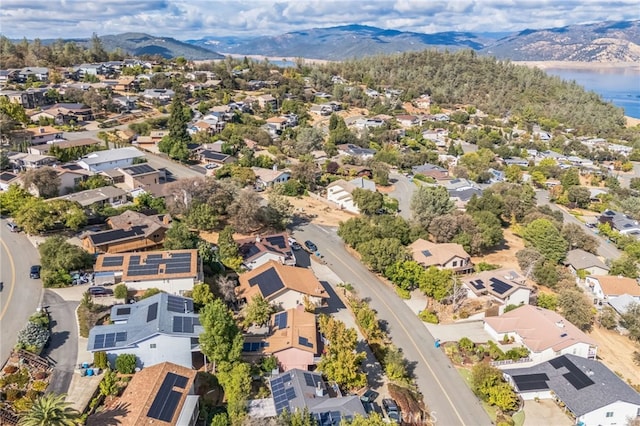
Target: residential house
x=503 y=285
x=264 y=100
x=63 y=145
x=70 y=178
x=437 y=136
x=110 y=159
x=496 y=175
x=125 y=103
x=257 y=251
x=407 y=120
x=164 y=394
x=546 y=334
x=83 y=70
x=29 y=99
x=7 y=179
x=7 y=76
x=266 y=178
x=208 y=156
x=580 y=260
x=22 y=160
x=282 y=285
x=40 y=135
x=340 y=192
x=321 y=109
x=423 y=102
x=622 y=304
x=516 y=161
x=140 y=176
x=157 y=96
x=444 y=256
x=431 y=170
x=172 y=271
x=35 y=73
x=277 y=124
x=65 y=113
x=607 y=288
x=105 y=195
x=292 y=337
x=621 y=223
x=161 y=328
x=127 y=84
x=589 y=391
x=130 y=231
x=620 y=149
x=369 y=123
x=356 y=151
x=297 y=390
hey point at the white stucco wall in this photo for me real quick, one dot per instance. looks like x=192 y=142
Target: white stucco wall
x=518 y=297
x=173 y=286
x=622 y=411
x=336 y=194
x=174 y=349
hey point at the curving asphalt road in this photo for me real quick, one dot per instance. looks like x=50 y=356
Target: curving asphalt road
x=447 y=396
x=21 y=295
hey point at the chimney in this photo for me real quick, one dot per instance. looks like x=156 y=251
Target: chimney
x=560 y=324
x=257 y=238
x=275 y=168
x=319 y=390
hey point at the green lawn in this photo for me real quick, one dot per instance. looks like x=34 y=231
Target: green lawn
x=518 y=418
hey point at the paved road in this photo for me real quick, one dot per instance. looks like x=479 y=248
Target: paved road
x=445 y=393
x=21 y=295
x=403 y=190
x=62 y=351
x=605 y=249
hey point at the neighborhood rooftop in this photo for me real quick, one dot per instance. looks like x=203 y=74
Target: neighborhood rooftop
x=161 y=265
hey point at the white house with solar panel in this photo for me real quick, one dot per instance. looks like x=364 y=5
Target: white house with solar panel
x=161 y=328
x=591 y=393
x=172 y=271
x=505 y=286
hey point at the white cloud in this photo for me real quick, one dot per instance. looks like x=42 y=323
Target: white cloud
x=198 y=18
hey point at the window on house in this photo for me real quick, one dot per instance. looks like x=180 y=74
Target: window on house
x=152 y=346
x=455 y=263
x=609 y=414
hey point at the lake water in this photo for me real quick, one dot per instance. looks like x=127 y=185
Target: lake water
x=619 y=86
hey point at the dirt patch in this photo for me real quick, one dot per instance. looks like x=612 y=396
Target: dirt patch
x=616 y=352
x=319 y=212
x=505 y=255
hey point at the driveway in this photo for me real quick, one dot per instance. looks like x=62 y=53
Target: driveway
x=474 y=330
x=403 y=189
x=62 y=351
x=543 y=413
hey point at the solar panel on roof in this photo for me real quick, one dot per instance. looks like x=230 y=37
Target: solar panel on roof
x=290 y=393
x=530 y=382
x=152 y=312
x=112 y=261
x=304 y=342
x=426 y=253
x=277 y=241
x=98 y=342
x=121 y=336
x=180 y=256
x=175 y=304
x=134 y=260
x=280 y=320
x=178 y=380
x=312 y=380
x=123 y=311
x=478 y=284
x=500 y=286
x=268 y=281
x=286 y=378
x=110 y=340
x=575 y=376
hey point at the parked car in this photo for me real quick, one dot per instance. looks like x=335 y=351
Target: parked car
x=311 y=246
x=100 y=291
x=13 y=227
x=392 y=410
x=294 y=244
x=369 y=396
x=34 y=272
x=210 y=166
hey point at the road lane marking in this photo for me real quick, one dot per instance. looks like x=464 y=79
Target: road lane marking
x=13 y=280
x=382 y=300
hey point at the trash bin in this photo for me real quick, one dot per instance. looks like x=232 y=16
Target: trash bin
x=89 y=371
x=437 y=344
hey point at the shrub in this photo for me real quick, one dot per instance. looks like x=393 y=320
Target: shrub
x=33 y=337
x=121 y=291
x=13 y=394
x=39 y=386
x=466 y=344
x=22 y=404
x=10 y=369
x=429 y=316
x=100 y=360
x=150 y=292
x=464 y=314
x=516 y=353
x=126 y=363
x=40 y=318
x=494 y=351
x=404 y=294
x=40 y=375
x=32 y=394
x=20 y=379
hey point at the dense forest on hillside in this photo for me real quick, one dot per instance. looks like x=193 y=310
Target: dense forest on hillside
x=495 y=87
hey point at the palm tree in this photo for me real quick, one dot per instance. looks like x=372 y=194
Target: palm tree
x=49 y=410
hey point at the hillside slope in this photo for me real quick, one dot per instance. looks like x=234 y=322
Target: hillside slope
x=144 y=44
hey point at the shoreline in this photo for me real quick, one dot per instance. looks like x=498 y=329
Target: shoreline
x=575 y=65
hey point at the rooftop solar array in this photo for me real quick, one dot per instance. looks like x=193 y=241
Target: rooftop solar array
x=112 y=261
x=139 y=169
x=166 y=401
x=277 y=241
x=115 y=235
x=152 y=312
x=123 y=311
x=253 y=346
x=175 y=304
x=575 y=376
x=305 y=342
x=529 y=382
x=109 y=340
x=312 y=380
x=177 y=263
x=499 y=286
x=280 y=320
x=140 y=270
x=269 y=282
x=282 y=394
x=185 y=324
x=478 y=284
x=330 y=418
x=426 y=253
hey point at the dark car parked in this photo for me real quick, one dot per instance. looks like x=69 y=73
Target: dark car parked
x=100 y=291
x=392 y=410
x=310 y=246
x=34 y=272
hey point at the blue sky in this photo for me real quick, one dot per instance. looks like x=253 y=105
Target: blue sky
x=187 y=19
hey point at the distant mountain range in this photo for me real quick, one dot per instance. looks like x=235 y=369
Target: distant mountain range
x=602 y=42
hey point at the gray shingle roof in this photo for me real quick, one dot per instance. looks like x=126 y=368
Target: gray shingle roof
x=140 y=325
x=606 y=388
x=581 y=259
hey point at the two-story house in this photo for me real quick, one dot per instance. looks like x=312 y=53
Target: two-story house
x=444 y=256
x=257 y=251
